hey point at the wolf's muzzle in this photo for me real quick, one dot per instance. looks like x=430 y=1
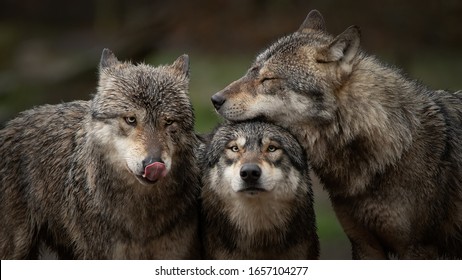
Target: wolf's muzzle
x=154 y=169
x=250 y=173
x=218 y=100
x=150 y=160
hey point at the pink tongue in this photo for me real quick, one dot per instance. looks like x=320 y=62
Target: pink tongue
x=155 y=171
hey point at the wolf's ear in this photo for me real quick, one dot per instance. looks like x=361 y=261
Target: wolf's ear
x=343 y=49
x=181 y=65
x=108 y=59
x=313 y=21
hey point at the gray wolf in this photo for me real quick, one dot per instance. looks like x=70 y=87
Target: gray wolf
x=114 y=177
x=387 y=148
x=257 y=201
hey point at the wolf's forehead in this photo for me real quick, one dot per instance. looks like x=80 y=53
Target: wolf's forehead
x=253 y=138
x=285 y=44
x=155 y=88
x=291 y=43
x=157 y=82
x=241 y=140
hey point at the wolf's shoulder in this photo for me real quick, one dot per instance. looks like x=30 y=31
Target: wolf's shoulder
x=46 y=122
x=55 y=112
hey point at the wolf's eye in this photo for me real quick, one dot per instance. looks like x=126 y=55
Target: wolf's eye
x=168 y=122
x=234 y=148
x=272 y=148
x=267 y=79
x=130 y=120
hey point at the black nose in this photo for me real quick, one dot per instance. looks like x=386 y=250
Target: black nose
x=250 y=172
x=150 y=160
x=217 y=100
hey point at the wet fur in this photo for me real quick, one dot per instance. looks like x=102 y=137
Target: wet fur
x=278 y=224
x=68 y=171
x=387 y=148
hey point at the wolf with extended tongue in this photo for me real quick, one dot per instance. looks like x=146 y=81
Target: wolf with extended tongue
x=110 y=178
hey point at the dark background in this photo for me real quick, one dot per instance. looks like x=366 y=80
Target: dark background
x=50 y=49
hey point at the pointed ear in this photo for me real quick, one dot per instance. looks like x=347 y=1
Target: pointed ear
x=313 y=21
x=343 y=49
x=181 y=65
x=108 y=59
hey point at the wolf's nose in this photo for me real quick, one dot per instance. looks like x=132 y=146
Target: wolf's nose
x=150 y=160
x=217 y=100
x=250 y=172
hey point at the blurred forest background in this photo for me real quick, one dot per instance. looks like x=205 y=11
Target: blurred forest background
x=50 y=50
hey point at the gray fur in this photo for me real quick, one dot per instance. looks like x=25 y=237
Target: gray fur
x=70 y=175
x=387 y=148
x=277 y=223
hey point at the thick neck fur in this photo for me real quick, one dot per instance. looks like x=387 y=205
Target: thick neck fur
x=257 y=228
x=373 y=126
x=252 y=215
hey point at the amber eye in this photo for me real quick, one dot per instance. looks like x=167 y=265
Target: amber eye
x=168 y=122
x=234 y=148
x=272 y=148
x=130 y=120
